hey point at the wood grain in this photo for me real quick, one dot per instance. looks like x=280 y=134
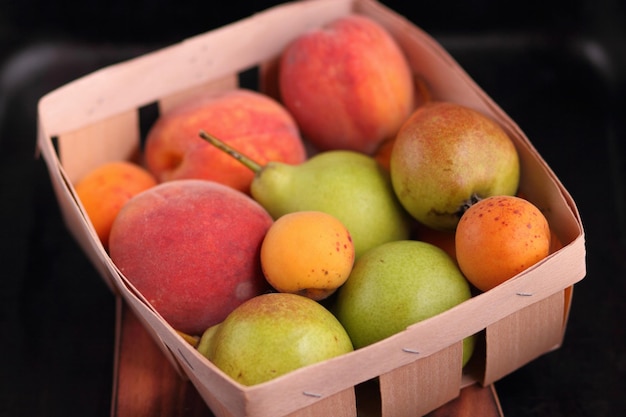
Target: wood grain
x=146 y=385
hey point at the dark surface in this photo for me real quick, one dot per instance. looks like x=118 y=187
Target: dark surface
x=557 y=68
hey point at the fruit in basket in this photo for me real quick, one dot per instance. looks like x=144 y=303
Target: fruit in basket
x=396 y=285
x=443 y=239
x=308 y=253
x=250 y=121
x=207 y=342
x=348 y=84
x=383 y=153
x=348 y=185
x=499 y=237
x=273 y=334
x=105 y=189
x=423 y=95
x=446 y=157
x=191 y=247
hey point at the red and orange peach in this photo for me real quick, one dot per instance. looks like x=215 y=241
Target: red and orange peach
x=348 y=84
x=249 y=121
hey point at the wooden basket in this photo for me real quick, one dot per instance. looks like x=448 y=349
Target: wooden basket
x=96 y=119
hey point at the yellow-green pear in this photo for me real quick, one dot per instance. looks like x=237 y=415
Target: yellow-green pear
x=445 y=158
x=273 y=334
x=206 y=345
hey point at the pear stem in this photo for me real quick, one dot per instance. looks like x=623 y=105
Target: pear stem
x=254 y=166
x=474 y=198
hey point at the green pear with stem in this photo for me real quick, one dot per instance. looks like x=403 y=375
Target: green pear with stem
x=349 y=185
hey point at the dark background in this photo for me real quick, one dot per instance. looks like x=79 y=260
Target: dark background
x=556 y=67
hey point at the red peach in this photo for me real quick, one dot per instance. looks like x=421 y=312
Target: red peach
x=251 y=122
x=348 y=84
x=192 y=248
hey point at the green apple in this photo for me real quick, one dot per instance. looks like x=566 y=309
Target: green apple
x=398 y=284
x=445 y=158
x=271 y=335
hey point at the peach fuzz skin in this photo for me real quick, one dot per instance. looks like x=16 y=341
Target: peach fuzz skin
x=348 y=85
x=251 y=122
x=191 y=247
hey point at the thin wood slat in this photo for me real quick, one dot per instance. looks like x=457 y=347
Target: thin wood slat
x=146 y=385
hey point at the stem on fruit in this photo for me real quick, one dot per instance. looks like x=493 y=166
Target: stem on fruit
x=254 y=166
x=475 y=198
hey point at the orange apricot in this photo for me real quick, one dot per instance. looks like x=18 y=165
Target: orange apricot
x=308 y=253
x=104 y=190
x=499 y=237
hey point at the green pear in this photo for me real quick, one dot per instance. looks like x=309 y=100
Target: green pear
x=206 y=345
x=273 y=334
x=445 y=158
x=349 y=185
x=398 y=284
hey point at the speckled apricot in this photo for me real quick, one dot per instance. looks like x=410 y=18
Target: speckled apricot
x=308 y=253
x=499 y=237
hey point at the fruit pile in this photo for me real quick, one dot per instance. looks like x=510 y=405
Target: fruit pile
x=276 y=232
